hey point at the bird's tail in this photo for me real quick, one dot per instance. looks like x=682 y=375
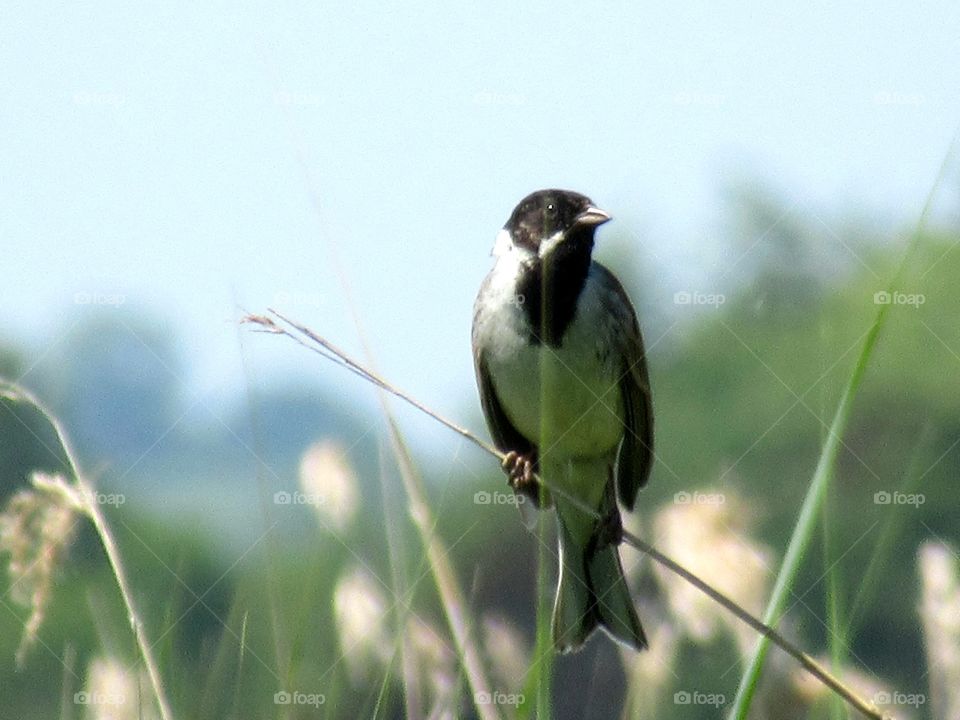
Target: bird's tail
x=592 y=590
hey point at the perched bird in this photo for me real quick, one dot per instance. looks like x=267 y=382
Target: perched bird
x=563 y=383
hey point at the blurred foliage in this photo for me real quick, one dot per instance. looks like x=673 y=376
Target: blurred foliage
x=743 y=390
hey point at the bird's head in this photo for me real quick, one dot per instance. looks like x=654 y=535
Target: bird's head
x=548 y=219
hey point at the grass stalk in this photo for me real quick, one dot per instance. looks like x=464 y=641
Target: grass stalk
x=809 y=511
x=451 y=596
x=81 y=495
x=320 y=345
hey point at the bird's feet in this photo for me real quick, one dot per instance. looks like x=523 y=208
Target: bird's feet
x=610 y=530
x=521 y=470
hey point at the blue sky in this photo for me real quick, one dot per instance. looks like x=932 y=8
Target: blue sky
x=193 y=157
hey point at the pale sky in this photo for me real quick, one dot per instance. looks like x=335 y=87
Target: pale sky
x=189 y=156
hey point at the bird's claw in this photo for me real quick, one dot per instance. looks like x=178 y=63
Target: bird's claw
x=610 y=531
x=520 y=472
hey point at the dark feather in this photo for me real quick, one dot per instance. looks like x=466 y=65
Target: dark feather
x=505 y=436
x=635 y=459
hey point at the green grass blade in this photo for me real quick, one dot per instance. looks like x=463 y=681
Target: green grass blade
x=835 y=623
x=803 y=530
x=806 y=523
x=539 y=682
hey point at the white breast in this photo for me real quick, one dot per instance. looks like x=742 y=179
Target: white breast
x=567 y=399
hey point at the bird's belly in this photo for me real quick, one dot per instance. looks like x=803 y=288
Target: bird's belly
x=565 y=402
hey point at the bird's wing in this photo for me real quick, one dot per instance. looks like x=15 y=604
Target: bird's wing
x=636 y=451
x=505 y=436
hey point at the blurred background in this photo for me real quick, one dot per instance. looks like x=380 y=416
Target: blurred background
x=167 y=170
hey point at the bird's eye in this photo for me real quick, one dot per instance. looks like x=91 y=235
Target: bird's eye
x=552 y=210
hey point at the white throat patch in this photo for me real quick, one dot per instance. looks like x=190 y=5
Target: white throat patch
x=503 y=244
x=547 y=245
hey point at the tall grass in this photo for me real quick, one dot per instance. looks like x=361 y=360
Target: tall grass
x=79 y=494
x=810 y=511
x=413 y=543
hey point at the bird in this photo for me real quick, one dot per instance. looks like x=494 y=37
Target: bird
x=562 y=376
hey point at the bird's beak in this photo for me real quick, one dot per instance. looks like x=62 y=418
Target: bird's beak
x=592 y=216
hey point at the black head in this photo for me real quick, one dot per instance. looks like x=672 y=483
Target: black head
x=544 y=213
